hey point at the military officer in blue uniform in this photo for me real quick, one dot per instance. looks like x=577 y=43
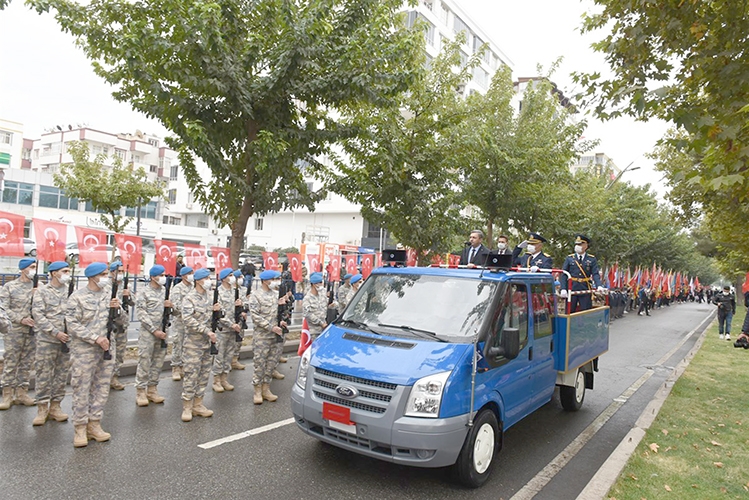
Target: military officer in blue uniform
x=534 y=257
x=584 y=273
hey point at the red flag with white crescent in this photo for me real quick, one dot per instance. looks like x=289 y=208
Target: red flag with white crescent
x=50 y=240
x=91 y=246
x=437 y=259
x=295 y=266
x=367 y=263
x=166 y=255
x=305 y=340
x=196 y=256
x=335 y=269
x=11 y=234
x=131 y=251
x=221 y=258
x=314 y=262
x=410 y=257
x=270 y=260
x=350 y=264
x=454 y=260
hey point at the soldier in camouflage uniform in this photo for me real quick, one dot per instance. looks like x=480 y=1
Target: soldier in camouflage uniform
x=227 y=336
x=344 y=293
x=244 y=296
x=86 y=315
x=122 y=323
x=178 y=327
x=197 y=308
x=149 y=307
x=284 y=314
x=20 y=344
x=263 y=306
x=315 y=308
x=52 y=365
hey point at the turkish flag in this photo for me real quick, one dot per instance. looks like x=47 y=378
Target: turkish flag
x=367 y=263
x=195 y=256
x=270 y=260
x=306 y=339
x=295 y=266
x=166 y=255
x=437 y=260
x=50 y=240
x=350 y=264
x=314 y=262
x=91 y=246
x=11 y=234
x=221 y=258
x=454 y=260
x=411 y=257
x=335 y=269
x=131 y=251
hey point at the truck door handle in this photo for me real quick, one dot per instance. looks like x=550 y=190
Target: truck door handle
x=530 y=354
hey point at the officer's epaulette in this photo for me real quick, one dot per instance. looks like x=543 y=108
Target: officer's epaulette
x=546 y=254
x=591 y=255
x=571 y=255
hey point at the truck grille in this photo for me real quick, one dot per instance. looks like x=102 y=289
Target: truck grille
x=373 y=396
x=356 y=380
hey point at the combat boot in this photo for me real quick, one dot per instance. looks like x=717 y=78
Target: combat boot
x=140 y=397
x=55 y=412
x=258 y=397
x=116 y=385
x=283 y=359
x=236 y=365
x=267 y=395
x=176 y=373
x=80 y=439
x=153 y=396
x=7 y=401
x=95 y=432
x=41 y=415
x=22 y=397
x=217 y=387
x=199 y=410
x=225 y=382
x=278 y=375
x=187 y=410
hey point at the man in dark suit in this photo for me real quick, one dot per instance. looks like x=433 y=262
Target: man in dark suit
x=534 y=257
x=503 y=247
x=475 y=253
x=584 y=274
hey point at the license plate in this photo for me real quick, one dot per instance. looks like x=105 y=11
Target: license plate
x=339 y=417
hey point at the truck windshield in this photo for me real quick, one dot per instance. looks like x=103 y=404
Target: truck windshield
x=422 y=306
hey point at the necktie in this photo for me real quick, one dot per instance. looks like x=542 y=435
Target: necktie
x=473 y=254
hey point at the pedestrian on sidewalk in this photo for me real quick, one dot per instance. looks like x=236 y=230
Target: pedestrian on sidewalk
x=726 y=302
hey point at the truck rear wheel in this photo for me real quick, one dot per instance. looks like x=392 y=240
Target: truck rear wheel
x=478 y=452
x=572 y=397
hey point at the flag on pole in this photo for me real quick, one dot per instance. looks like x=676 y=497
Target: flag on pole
x=131 y=251
x=11 y=234
x=91 y=246
x=166 y=255
x=50 y=240
x=295 y=266
x=196 y=256
x=221 y=258
x=350 y=264
x=270 y=260
x=306 y=339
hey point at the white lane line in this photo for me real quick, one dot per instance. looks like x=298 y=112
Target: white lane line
x=245 y=434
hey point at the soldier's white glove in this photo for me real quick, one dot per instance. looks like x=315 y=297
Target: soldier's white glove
x=601 y=289
x=563 y=294
x=534 y=269
x=523 y=244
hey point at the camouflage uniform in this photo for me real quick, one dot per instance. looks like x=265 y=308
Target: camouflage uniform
x=264 y=312
x=149 y=307
x=196 y=357
x=226 y=337
x=52 y=365
x=20 y=344
x=344 y=295
x=120 y=335
x=178 y=327
x=87 y=314
x=4 y=320
x=315 y=310
x=244 y=298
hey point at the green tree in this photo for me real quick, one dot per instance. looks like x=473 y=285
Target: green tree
x=251 y=88
x=107 y=188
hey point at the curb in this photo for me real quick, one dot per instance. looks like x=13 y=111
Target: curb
x=609 y=472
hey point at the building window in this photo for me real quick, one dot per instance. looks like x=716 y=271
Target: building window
x=172 y=196
x=258 y=224
x=153 y=142
x=459 y=25
x=100 y=150
x=481 y=77
x=120 y=153
x=445 y=14
x=90 y=208
x=175 y=221
x=6 y=137
x=135 y=158
x=173 y=173
x=154 y=169
x=429 y=35
x=18 y=193
x=52 y=197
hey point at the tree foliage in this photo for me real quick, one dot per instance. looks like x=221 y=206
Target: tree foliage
x=251 y=88
x=108 y=189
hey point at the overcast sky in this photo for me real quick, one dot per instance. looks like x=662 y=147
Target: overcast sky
x=45 y=80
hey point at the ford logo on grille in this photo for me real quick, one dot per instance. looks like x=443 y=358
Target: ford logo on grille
x=347 y=391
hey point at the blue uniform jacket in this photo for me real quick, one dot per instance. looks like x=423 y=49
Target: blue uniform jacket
x=585 y=273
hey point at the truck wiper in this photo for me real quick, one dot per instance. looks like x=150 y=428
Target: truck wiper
x=412 y=329
x=357 y=324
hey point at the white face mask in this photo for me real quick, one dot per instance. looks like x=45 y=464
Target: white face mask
x=579 y=249
x=120 y=277
x=274 y=285
x=65 y=279
x=501 y=245
x=531 y=248
x=104 y=282
x=29 y=273
x=161 y=280
x=207 y=284
x=190 y=278
x=232 y=280
x=320 y=288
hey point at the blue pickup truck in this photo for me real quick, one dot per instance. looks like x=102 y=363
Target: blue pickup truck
x=429 y=367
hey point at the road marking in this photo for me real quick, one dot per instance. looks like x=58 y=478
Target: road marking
x=245 y=434
x=535 y=485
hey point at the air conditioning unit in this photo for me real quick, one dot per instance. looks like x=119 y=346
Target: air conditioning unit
x=188 y=206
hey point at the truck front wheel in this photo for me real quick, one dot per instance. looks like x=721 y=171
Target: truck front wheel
x=572 y=397
x=477 y=455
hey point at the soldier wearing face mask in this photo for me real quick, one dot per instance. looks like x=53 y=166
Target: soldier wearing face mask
x=179 y=291
x=263 y=306
x=315 y=307
x=502 y=245
x=228 y=334
x=86 y=315
x=150 y=306
x=52 y=364
x=534 y=257
x=20 y=343
x=122 y=323
x=584 y=274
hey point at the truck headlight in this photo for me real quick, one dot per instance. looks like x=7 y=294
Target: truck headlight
x=301 y=374
x=426 y=396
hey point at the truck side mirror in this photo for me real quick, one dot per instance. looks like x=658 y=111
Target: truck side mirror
x=510 y=347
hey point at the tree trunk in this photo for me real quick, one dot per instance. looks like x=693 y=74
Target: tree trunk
x=489 y=234
x=239 y=227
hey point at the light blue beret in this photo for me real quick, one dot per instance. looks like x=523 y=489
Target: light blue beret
x=225 y=272
x=347 y=276
x=355 y=278
x=24 y=263
x=157 y=270
x=237 y=273
x=185 y=270
x=56 y=266
x=269 y=275
x=95 y=269
x=202 y=273
x=114 y=266
x=315 y=278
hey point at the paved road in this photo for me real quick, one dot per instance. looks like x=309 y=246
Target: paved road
x=153 y=454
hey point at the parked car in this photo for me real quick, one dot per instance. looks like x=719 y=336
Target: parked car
x=29 y=247
x=72 y=251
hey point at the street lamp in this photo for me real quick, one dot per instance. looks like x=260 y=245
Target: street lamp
x=626 y=169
